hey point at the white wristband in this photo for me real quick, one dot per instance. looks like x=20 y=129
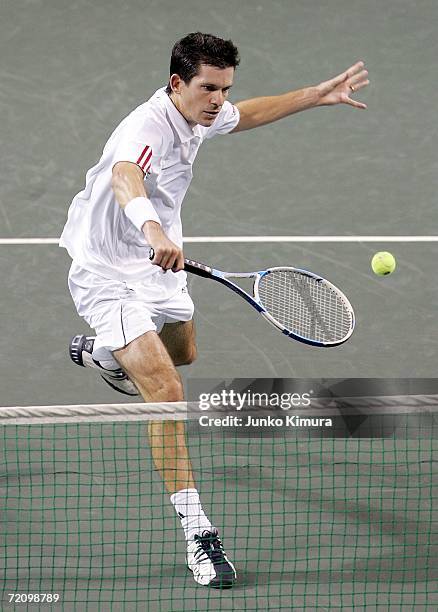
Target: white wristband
x=139 y=210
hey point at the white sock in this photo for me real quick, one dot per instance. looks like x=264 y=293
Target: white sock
x=188 y=507
x=105 y=358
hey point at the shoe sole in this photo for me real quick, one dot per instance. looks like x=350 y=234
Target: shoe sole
x=109 y=383
x=225 y=583
x=75 y=349
x=222 y=584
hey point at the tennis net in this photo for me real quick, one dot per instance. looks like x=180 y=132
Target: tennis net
x=311 y=519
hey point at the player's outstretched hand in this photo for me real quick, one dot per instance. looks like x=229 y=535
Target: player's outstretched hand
x=339 y=89
x=167 y=254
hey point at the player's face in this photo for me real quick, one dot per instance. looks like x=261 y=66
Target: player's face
x=202 y=98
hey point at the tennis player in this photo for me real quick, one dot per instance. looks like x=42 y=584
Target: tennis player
x=141 y=310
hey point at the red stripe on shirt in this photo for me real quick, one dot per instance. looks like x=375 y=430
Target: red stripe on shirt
x=146 y=161
x=143 y=153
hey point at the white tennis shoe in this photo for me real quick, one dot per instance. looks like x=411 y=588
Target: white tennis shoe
x=207 y=560
x=81 y=353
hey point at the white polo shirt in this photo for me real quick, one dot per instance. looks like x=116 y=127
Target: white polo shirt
x=98 y=235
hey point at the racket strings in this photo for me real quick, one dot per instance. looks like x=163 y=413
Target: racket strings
x=304 y=305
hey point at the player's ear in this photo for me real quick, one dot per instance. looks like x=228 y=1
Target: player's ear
x=175 y=82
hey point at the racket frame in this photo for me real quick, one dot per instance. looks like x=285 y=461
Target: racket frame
x=200 y=269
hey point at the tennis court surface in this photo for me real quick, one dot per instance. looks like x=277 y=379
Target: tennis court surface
x=312 y=522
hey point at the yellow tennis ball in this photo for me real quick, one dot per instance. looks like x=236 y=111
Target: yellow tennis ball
x=383 y=263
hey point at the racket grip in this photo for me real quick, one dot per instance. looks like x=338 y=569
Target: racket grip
x=195 y=267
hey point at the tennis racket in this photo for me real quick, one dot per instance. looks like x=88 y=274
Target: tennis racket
x=300 y=304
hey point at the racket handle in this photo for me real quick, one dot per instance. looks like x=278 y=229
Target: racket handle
x=195 y=267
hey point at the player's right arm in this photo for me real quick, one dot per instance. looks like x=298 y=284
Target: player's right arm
x=127 y=184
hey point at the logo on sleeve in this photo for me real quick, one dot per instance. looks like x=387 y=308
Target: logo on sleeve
x=145 y=160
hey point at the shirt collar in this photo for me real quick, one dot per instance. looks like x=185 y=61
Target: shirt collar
x=185 y=132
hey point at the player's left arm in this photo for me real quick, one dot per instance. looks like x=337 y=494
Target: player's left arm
x=338 y=90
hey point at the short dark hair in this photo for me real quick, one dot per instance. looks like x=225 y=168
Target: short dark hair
x=195 y=49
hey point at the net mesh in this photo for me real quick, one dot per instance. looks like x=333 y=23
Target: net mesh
x=310 y=520
x=305 y=306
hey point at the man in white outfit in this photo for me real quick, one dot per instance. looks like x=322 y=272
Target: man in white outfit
x=140 y=309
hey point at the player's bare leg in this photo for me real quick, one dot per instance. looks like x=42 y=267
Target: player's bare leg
x=149 y=366
x=152 y=368
x=180 y=341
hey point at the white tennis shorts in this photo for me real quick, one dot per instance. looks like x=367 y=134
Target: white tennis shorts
x=119 y=312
